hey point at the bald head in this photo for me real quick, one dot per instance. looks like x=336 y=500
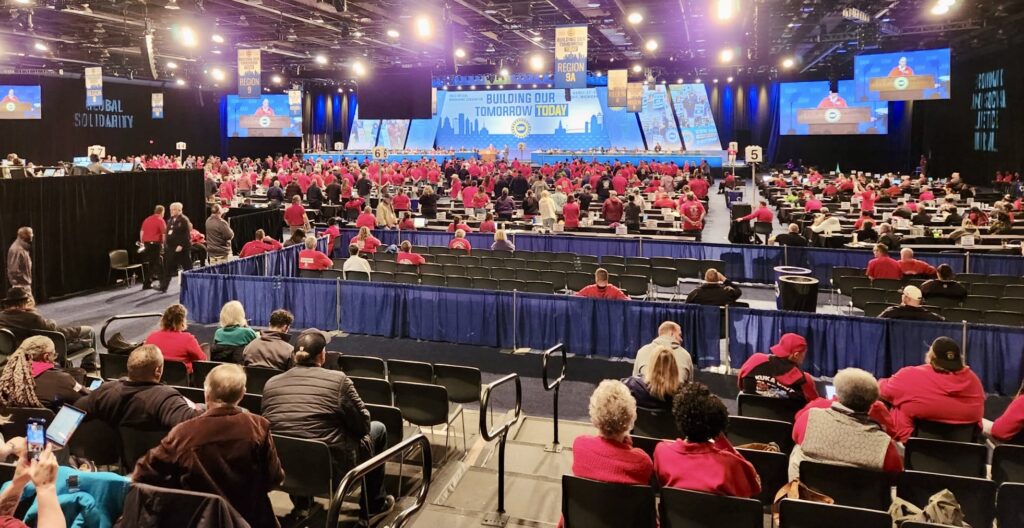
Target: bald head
x=793 y=228
x=906 y=254
x=146 y=364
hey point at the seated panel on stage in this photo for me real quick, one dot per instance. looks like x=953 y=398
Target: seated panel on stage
x=714 y=159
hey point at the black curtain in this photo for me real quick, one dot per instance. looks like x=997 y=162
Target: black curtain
x=245 y=222
x=77 y=220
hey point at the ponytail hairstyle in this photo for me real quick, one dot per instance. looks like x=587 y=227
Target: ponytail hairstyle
x=17 y=386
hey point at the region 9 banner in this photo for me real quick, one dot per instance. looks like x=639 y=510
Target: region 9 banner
x=571 y=57
x=157 y=105
x=903 y=76
x=808 y=108
x=249 y=73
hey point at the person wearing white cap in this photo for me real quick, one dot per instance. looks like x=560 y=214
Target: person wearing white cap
x=910 y=308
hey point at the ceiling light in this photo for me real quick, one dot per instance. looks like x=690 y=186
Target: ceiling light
x=393 y=33
x=179 y=82
x=188 y=38
x=320 y=59
x=217 y=38
x=728 y=79
x=637 y=68
x=172 y=5
x=947 y=3
x=171 y=65
x=503 y=72
x=593 y=5
x=788 y=62
x=217 y=74
x=276 y=79
x=41 y=46
x=357 y=33
x=424 y=28
x=537 y=62
x=726 y=55
x=358 y=68
x=651 y=45
x=460 y=53
x=940 y=9
x=339 y=90
x=726 y=9
x=635 y=18
x=23 y=2
x=679 y=80
x=519 y=86
x=714 y=81
x=697 y=80
x=537 y=38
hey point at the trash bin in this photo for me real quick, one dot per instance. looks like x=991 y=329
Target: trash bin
x=797 y=293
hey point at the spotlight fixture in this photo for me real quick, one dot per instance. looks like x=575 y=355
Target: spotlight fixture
x=635 y=18
x=179 y=82
x=637 y=68
x=358 y=68
x=276 y=79
x=714 y=81
x=679 y=80
x=503 y=72
x=393 y=33
x=940 y=9
x=537 y=62
x=217 y=74
x=320 y=59
x=187 y=36
x=788 y=62
x=651 y=45
x=697 y=80
x=424 y=28
x=726 y=9
x=460 y=53
x=41 y=46
x=726 y=55
x=728 y=79
x=171 y=65
x=217 y=38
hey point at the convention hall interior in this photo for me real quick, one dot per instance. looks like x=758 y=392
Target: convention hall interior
x=512 y=263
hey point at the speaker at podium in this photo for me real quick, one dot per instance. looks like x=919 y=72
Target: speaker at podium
x=903 y=88
x=834 y=120
x=264 y=126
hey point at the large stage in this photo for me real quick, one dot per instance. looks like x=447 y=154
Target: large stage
x=715 y=159
x=365 y=155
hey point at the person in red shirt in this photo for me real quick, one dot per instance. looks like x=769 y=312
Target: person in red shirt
x=406 y=256
x=883 y=266
x=333 y=232
x=911 y=266
x=173 y=341
x=460 y=242
x=832 y=100
x=703 y=459
x=812 y=205
x=295 y=215
x=407 y=223
x=457 y=224
x=612 y=209
x=663 y=202
x=901 y=69
x=366 y=242
x=926 y=195
x=264 y=110
x=693 y=213
x=778 y=374
x=259 y=245
x=151 y=235
x=401 y=201
x=865 y=216
x=571 y=213
x=601 y=289
x=761 y=214
x=1009 y=425
x=311 y=259
x=487 y=226
x=843 y=432
x=943 y=390
x=699 y=187
x=366 y=219
x=868 y=199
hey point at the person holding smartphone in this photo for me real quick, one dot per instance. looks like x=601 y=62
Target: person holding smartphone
x=42 y=471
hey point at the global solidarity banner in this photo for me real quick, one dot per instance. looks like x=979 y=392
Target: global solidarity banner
x=248 y=73
x=571 y=57
x=94 y=87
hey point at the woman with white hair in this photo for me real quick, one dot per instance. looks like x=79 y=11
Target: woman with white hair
x=548 y=215
x=234 y=333
x=845 y=434
x=610 y=456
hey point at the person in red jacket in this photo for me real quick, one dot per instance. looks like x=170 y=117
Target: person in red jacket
x=944 y=390
x=703 y=459
x=610 y=456
x=259 y=245
x=173 y=341
x=406 y=256
x=460 y=242
x=761 y=214
x=1008 y=426
x=571 y=213
x=778 y=374
x=693 y=214
x=311 y=259
x=601 y=289
x=844 y=432
x=612 y=209
x=295 y=214
x=366 y=219
x=883 y=266
x=917 y=268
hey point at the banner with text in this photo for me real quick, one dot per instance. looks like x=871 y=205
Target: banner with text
x=158 y=106
x=248 y=73
x=617 y=90
x=571 y=57
x=634 y=97
x=94 y=87
x=696 y=122
x=294 y=103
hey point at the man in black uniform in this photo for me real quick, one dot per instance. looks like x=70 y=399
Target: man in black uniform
x=178 y=240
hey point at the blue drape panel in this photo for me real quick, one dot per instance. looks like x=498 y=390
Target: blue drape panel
x=597 y=246
x=742 y=263
x=205 y=294
x=459 y=316
x=995 y=354
x=544 y=320
x=313 y=302
x=907 y=341
x=955 y=260
x=997 y=264
x=372 y=308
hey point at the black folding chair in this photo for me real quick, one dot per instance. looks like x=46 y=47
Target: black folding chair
x=655 y=423
x=135 y=443
x=806 y=514
x=976 y=496
x=308 y=468
x=257 y=377
x=175 y=373
x=848 y=485
x=391 y=417
x=1010 y=504
x=757 y=406
x=746 y=430
x=1008 y=463
x=113 y=366
x=362 y=366
x=423 y=405
x=97 y=441
x=201 y=369
x=685 y=509
x=463 y=385
x=773 y=469
x=592 y=504
x=373 y=390
x=412 y=371
x=949 y=458
x=943 y=431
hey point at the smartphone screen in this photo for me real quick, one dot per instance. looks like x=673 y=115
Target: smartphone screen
x=35 y=437
x=95 y=384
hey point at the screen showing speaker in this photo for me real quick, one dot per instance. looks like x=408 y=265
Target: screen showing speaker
x=21 y=102
x=810 y=108
x=902 y=76
x=266 y=116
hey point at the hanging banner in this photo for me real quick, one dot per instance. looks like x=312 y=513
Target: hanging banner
x=158 y=106
x=94 y=87
x=248 y=73
x=617 y=81
x=635 y=97
x=295 y=103
x=571 y=57
x=433 y=101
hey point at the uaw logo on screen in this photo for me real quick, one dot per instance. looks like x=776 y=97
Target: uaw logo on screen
x=833 y=115
x=900 y=83
x=10 y=107
x=264 y=121
x=520 y=128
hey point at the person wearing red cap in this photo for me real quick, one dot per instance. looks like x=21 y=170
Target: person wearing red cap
x=943 y=390
x=883 y=266
x=778 y=374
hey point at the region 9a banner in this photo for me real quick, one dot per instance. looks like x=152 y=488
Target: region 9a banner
x=571 y=57
x=157 y=104
x=94 y=87
x=249 y=73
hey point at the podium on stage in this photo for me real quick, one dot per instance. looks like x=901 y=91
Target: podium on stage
x=901 y=88
x=264 y=126
x=834 y=120
x=15 y=107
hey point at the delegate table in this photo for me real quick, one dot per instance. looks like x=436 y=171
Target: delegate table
x=715 y=159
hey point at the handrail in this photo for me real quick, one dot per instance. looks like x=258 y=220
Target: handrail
x=103 y=331
x=357 y=474
x=555 y=447
x=499 y=518
x=485 y=402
